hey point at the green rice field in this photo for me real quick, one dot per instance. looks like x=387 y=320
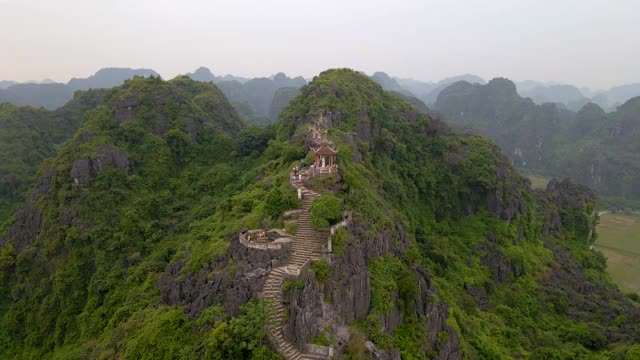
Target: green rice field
x=619 y=240
x=538 y=182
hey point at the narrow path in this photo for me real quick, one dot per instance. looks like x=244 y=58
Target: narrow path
x=306 y=246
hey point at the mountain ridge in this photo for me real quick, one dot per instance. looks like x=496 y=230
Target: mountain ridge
x=129 y=244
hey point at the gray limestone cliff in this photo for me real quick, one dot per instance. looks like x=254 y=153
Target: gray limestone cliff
x=231 y=279
x=345 y=297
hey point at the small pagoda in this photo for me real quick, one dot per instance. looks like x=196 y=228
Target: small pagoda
x=325 y=157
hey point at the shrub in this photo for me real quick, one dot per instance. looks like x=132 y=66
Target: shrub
x=322 y=268
x=325 y=211
x=355 y=348
x=243 y=337
x=547 y=353
x=633 y=353
x=339 y=241
x=321 y=339
x=586 y=336
x=279 y=201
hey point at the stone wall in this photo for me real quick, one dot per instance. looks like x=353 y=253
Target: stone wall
x=231 y=280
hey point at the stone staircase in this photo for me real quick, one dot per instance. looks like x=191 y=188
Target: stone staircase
x=306 y=246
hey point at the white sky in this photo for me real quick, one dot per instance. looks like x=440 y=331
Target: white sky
x=593 y=43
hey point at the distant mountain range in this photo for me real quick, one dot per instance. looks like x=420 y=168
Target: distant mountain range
x=258 y=100
x=253 y=100
x=596 y=148
x=52 y=95
x=568 y=96
x=203 y=74
x=427 y=92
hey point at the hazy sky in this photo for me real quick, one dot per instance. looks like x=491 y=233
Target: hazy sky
x=594 y=43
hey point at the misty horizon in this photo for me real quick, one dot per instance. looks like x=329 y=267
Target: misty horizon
x=582 y=44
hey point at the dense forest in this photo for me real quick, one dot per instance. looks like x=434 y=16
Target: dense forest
x=30 y=136
x=127 y=247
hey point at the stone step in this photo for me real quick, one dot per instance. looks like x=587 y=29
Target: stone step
x=307 y=245
x=304 y=249
x=306 y=253
x=311 y=356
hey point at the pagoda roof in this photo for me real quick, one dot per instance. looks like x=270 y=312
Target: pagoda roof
x=325 y=149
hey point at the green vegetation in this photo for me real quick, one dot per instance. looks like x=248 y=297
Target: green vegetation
x=325 y=211
x=437 y=185
x=28 y=137
x=322 y=269
x=90 y=286
x=633 y=353
x=339 y=241
x=619 y=240
x=500 y=268
x=594 y=148
x=280 y=199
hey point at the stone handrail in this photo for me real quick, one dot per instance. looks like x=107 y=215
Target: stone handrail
x=295 y=271
x=327 y=351
x=275 y=245
x=332 y=231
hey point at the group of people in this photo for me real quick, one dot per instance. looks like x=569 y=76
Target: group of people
x=260 y=234
x=298 y=174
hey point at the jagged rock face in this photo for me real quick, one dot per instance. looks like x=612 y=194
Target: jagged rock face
x=25 y=227
x=349 y=287
x=504 y=201
x=589 y=301
x=502 y=269
x=566 y=196
x=305 y=308
x=108 y=156
x=566 y=288
x=221 y=281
